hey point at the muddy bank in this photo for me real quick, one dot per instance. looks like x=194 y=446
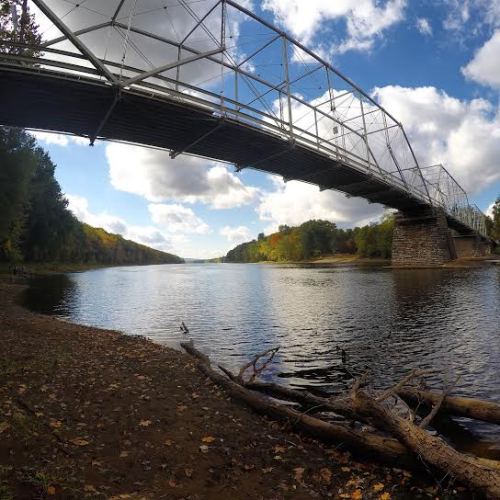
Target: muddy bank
x=88 y=413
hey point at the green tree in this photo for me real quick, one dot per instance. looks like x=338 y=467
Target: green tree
x=17 y=167
x=494 y=226
x=35 y=223
x=18 y=29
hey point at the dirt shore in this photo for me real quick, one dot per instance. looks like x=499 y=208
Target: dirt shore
x=89 y=413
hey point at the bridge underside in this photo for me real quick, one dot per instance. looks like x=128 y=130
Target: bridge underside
x=41 y=101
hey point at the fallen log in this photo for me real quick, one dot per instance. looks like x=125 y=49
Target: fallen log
x=381 y=448
x=481 y=474
x=477 y=409
x=340 y=406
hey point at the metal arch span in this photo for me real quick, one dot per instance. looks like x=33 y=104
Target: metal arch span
x=211 y=78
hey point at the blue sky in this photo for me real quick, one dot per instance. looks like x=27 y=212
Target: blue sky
x=435 y=65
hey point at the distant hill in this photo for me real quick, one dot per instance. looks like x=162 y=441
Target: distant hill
x=36 y=225
x=102 y=247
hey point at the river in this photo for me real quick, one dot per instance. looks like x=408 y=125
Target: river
x=387 y=321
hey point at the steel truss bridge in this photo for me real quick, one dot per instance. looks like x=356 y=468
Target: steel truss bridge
x=212 y=79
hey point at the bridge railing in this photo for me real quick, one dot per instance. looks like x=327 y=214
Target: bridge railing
x=219 y=55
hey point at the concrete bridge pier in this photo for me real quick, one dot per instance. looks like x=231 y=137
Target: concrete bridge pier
x=422 y=239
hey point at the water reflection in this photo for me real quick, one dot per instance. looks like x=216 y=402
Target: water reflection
x=387 y=321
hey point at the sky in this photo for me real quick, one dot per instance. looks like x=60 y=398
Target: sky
x=433 y=64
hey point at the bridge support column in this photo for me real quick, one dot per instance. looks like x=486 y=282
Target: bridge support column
x=470 y=245
x=422 y=239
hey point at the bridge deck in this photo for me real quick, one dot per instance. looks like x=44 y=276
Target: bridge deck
x=78 y=105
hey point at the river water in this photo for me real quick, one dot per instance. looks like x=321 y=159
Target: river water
x=387 y=321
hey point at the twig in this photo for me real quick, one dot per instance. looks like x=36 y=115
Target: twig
x=230 y=375
x=253 y=364
x=358 y=383
x=393 y=390
x=446 y=390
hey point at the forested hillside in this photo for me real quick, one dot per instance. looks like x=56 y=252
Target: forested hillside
x=317 y=238
x=35 y=223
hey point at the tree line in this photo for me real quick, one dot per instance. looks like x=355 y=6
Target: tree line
x=317 y=238
x=35 y=222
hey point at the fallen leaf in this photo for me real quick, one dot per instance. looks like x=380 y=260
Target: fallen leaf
x=124 y=454
x=4 y=426
x=51 y=490
x=279 y=449
x=298 y=472
x=78 y=441
x=326 y=475
x=55 y=424
x=90 y=488
x=378 y=487
x=172 y=484
x=168 y=442
x=188 y=472
x=204 y=448
x=357 y=495
x=181 y=408
x=385 y=496
x=145 y=423
x=208 y=439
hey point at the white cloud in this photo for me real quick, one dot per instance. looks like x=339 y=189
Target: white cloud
x=484 y=68
x=295 y=202
x=489 y=211
x=177 y=218
x=62 y=140
x=155 y=176
x=463 y=135
x=423 y=26
x=366 y=20
x=471 y=17
x=237 y=234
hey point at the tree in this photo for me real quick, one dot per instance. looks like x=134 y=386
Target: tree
x=17 y=167
x=494 y=225
x=35 y=223
x=18 y=28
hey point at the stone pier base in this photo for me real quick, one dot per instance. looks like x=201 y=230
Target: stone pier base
x=471 y=246
x=422 y=239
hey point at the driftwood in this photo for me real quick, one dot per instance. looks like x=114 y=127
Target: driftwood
x=382 y=448
x=413 y=444
x=477 y=409
x=481 y=474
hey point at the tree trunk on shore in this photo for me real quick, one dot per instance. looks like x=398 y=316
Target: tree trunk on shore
x=481 y=474
x=385 y=449
x=413 y=444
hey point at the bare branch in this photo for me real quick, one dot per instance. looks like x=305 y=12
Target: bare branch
x=270 y=353
x=446 y=390
x=394 y=390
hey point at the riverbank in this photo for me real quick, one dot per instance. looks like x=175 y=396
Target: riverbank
x=89 y=413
